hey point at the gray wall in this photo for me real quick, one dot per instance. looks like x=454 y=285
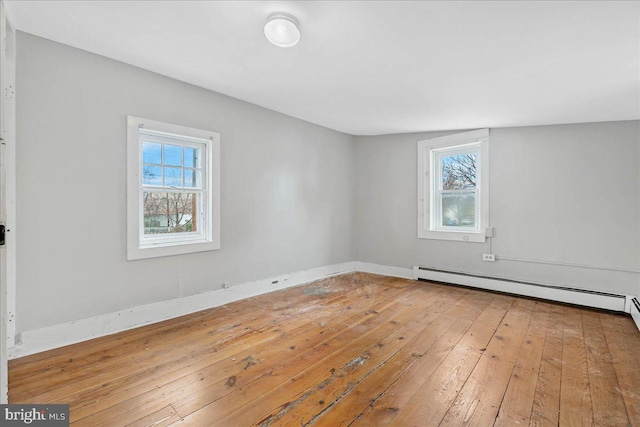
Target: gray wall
x=287 y=188
x=566 y=193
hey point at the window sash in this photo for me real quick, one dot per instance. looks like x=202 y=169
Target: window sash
x=196 y=143
x=160 y=239
x=436 y=183
x=439 y=217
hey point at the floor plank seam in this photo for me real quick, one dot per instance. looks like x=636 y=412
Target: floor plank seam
x=562 y=370
x=176 y=411
x=476 y=364
x=349 y=390
x=615 y=371
x=515 y=364
x=444 y=358
x=544 y=343
x=586 y=356
x=379 y=395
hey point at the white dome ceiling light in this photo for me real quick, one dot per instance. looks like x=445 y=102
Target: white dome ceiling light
x=282 y=29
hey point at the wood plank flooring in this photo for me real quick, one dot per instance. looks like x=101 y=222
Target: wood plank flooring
x=357 y=349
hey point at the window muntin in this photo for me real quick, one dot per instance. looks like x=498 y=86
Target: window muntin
x=173 y=189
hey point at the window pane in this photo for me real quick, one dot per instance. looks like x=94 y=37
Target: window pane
x=459 y=172
x=151 y=153
x=173 y=155
x=191 y=157
x=172 y=177
x=459 y=210
x=170 y=212
x=152 y=175
x=191 y=178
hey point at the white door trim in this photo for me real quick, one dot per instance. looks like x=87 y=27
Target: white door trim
x=7 y=194
x=9 y=185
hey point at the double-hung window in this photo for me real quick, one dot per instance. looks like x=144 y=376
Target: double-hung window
x=453 y=187
x=173 y=189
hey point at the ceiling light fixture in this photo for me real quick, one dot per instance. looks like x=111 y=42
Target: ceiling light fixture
x=282 y=29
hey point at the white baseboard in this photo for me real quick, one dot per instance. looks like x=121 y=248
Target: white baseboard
x=384 y=270
x=554 y=293
x=64 y=334
x=635 y=311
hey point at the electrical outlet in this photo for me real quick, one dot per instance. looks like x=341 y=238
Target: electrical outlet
x=488 y=257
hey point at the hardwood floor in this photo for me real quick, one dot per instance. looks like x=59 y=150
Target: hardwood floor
x=357 y=349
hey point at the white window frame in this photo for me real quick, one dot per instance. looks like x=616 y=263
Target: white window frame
x=429 y=176
x=208 y=236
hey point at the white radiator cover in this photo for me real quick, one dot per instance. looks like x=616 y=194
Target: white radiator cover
x=582 y=297
x=635 y=311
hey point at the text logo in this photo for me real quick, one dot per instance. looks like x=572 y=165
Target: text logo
x=34 y=415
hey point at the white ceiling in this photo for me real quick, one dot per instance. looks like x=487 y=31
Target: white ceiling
x=378 y=67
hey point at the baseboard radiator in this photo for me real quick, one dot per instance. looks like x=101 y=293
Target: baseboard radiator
x=635 y=311
x=582 y=297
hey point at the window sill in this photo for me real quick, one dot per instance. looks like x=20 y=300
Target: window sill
x=168 y=249
x=151 y=243
x=460 y=236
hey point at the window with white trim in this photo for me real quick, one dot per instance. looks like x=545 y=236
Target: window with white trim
x=453 y=187
x=173 y=189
